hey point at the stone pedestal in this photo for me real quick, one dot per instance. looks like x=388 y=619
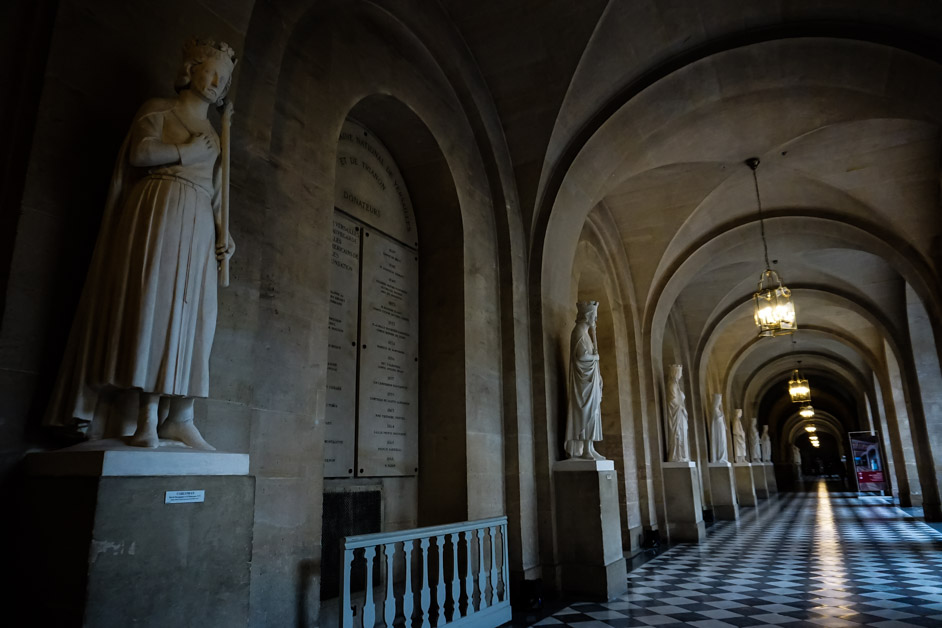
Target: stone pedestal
x=770 y=482
x=758 y=475
x=684 y=506
x=107 y=549
x=589 y=529
x=723 y=485
x=745 y=484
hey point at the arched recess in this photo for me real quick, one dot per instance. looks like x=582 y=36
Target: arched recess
x=596 y=276
x=311 y=65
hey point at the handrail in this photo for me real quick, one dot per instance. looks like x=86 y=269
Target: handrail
x=366 y=540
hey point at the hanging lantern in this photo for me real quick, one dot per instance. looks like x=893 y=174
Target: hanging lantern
x=774 y=310
x=806 y=411
x=811 y=429
x=798 y=388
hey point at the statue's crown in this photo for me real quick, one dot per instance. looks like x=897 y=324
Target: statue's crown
x=201 y=46
x=585 y=307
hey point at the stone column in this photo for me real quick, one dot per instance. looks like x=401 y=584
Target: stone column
x=588 y=527
x=725 y=504
x=684 y=507
x=745 y=484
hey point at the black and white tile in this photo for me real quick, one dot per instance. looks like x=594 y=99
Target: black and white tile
x=802 y=559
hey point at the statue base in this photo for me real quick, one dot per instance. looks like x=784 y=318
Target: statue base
x=589 y=528
x=745 y=484
x=771 y=483
x=683 y=502
x=758 y=475
x=127 y=539
x=723 y=485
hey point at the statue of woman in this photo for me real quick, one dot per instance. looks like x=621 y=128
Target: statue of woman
x=766 y=444
x=147 y=315
x=739 y=438
x=584 y=419
x=755 y=447
x=677 y=448
x=718 y=431
x=796 y=455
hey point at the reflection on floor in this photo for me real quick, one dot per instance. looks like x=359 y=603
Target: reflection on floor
x=801 y=559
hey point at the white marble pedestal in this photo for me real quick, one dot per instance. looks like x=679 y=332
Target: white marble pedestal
x=589 y=529
x=723 y=486
x=770 y=482
x=758 y=474
x=108 y=550
x=745 y=484
x=684 y=506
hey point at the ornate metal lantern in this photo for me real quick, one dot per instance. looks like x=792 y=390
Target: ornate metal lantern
x=774 y=310
x=798 y=388
x=806 y=411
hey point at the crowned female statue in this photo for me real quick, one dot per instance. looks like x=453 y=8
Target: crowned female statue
x=147 y=314
x=739 y=438
x=584 y=418
x=718 y=446
x=677 y=447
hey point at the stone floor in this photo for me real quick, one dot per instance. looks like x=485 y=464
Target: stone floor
x=800 y=559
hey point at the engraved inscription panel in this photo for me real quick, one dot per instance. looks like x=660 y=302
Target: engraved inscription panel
x=340 y=418
x=388 y=436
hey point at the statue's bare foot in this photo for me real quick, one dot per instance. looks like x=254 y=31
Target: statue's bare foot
x=146 y=433
x=186 y=433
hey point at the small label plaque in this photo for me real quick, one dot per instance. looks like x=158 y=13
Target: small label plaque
x=184 y=497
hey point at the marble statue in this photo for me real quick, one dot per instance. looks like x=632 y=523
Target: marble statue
x=677 y=448
x=766 y=444
x=796 y=455
x=584 y=419
x=719 y=452
x=739 y=438
x=755 y=446
x=147 y=315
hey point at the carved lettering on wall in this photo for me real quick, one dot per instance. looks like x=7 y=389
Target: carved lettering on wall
x=340 y=418
x=389 y=351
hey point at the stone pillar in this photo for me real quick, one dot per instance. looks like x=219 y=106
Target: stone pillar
x=684 y=507
x=745 y=484
x=770 y=482
x=588 y=526
x=725 y=504
x=136 y=537
x=758 y=475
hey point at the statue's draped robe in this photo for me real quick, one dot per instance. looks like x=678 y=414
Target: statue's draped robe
x=766 y=447
x=755 y=447
x=718 y=436
x=739 y=441
x=147 y=314
x=584 y=420
x=677 y=449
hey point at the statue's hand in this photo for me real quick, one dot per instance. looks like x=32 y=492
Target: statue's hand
x=201 y=147
x=224 y=250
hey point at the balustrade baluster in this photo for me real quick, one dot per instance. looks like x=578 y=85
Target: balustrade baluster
x=369 y=609
x=482 y=577
x=440 y=587
x=468 y=574
x=505 y=569
x=426 y=598
x=346 y=612
x=455 y=590
x=389 y=600
x=407 y=592
x=493 y=537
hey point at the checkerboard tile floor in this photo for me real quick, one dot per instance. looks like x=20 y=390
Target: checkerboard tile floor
x=802 y=559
